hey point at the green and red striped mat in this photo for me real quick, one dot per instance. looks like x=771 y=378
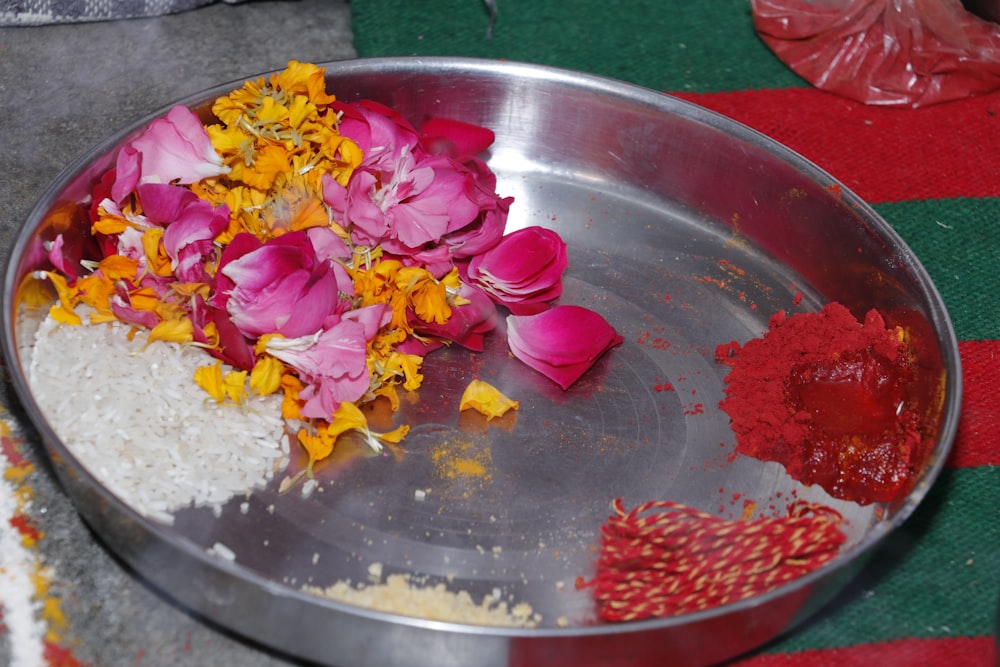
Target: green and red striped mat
x=930 y=595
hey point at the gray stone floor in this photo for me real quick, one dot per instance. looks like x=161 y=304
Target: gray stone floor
x=63 y=88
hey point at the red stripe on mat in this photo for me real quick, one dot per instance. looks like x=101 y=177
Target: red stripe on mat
x=943 y=151
x=953 y=652
x=978 y=439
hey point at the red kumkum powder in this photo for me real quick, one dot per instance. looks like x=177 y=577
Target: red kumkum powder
x=825 y=396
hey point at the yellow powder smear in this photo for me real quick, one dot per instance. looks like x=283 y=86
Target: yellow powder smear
x=462 y=459
x=400 y=594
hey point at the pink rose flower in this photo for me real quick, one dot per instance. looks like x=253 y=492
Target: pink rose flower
x=191 y=225
x=380 y=132
x=407 y=208
x=279 y=287
x=411 y=201
x=523 y=271
x=561 y=343
x=332 y=362
x=487 y=229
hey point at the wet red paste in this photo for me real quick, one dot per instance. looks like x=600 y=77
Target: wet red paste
x=826 y=396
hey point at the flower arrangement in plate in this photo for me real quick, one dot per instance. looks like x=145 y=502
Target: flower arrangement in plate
x=320 y=249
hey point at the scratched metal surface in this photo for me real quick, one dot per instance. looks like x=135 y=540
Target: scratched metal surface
x=686 y=231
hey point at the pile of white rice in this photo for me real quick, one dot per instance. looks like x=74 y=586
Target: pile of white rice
x=131 y=413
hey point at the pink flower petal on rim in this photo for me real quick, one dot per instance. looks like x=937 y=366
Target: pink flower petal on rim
x=561 y=343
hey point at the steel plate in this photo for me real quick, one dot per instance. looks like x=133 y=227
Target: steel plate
x=685 y=230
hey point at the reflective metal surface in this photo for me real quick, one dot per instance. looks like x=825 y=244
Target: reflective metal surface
x=686 y=230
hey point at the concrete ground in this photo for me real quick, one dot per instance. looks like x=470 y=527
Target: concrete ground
x=63 y=88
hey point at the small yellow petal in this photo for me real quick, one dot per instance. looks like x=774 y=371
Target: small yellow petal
x=318 y=445
x=33 y=291
x=290 y=404
x=144 y=298
x=60 y=313
x=265 y=378
x=395 y=436
x=209 y=378
x=157 y=259
x=487 y=399
x=110 y=225
x=346 y=417
x=235 y=383
x=174 y=331
x=63 y=311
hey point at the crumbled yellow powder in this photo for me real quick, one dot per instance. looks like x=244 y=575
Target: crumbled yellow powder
x=462 y=459
x=399 y=594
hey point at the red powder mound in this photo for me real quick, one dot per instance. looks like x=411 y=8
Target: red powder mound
x=825 y=396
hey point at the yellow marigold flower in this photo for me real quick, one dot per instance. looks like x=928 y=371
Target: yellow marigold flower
x=486 y=399
x=320 y=442
x=426 y=295
x=300 y=109
x=245 y=205
x=345 y=156
x=230 y=108
x=348 y=417
x=299 y=77
x=270 y=161
x=270 y=111
x=387 y=391
x=294 y=206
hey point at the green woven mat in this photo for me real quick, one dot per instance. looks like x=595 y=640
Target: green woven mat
x=697 y=46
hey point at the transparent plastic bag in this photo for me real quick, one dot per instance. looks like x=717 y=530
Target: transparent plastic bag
x=901 y=53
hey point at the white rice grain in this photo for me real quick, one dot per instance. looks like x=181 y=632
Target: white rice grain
x=131 y=413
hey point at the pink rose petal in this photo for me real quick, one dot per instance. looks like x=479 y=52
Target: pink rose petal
x=332 y=365
x=176 y=148
x=523 y=270
x=453 y=137
x=561 y=343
